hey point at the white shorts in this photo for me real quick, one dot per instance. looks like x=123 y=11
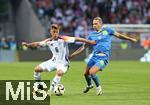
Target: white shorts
x=51 y=66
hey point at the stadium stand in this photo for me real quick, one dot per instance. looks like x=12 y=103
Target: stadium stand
x=72 y=13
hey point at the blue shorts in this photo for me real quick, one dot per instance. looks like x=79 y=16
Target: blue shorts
x=99 y=61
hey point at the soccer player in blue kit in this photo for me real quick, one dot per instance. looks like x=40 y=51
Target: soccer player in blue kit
x=101 y=36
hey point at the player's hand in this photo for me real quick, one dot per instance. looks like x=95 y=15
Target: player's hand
x=134 y=40
x=25 y=44
x=70 y=57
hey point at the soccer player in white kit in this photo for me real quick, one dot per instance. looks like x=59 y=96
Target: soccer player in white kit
x=59 y=48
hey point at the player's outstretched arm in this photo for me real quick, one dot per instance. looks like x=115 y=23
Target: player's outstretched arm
x=78 y=51
x=33 y=44
x=121 y=36
x=36 y=44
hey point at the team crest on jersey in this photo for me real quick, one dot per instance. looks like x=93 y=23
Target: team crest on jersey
x=104 y=32
x=102 y=62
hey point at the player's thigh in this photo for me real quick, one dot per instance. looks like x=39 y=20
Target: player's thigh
x=61 y=69
x=48 y=66
x=91 y=63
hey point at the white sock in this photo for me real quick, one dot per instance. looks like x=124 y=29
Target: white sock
x=99 y=88
x=56 y=80
x=37 y=76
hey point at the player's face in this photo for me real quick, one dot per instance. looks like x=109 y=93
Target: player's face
x=97 y=24
x=54 y=32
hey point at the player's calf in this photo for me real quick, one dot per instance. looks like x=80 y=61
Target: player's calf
x=56 y=80
x=37 y=78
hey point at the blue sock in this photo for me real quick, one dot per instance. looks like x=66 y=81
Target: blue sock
x=88 y=80
x=96 y=80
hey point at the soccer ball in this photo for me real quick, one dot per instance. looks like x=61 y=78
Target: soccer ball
x=59 y=90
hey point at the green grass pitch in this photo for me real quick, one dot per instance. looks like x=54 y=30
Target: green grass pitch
x=123 y=83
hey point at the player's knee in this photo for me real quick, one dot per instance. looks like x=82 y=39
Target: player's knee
x=60 y=73
x=86 y=74
x=91 y=72
x=38 y=69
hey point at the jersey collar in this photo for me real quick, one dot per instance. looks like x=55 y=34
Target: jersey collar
x=100 y=30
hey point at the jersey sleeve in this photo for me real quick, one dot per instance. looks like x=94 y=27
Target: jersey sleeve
x=111 y=31
x=43 y=43
x=89 y=36
x=68 y=39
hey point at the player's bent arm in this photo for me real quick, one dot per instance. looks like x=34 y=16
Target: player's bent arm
x=78 y=51
x=121 y=36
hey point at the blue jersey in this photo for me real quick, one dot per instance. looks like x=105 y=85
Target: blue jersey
x=103 y=40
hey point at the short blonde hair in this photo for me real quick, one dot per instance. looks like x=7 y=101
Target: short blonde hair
x=53 y=26
x=56 y=26
x=99 y=18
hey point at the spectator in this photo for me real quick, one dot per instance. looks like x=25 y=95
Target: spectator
x=8 y=43
x=146 y=43
x=124 y=45
x=12 y=43
x=3 y=43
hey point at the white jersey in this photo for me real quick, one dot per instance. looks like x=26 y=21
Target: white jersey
x=59 y=49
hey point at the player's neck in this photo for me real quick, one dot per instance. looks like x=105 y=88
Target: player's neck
x=99 y=29
x=54 y=38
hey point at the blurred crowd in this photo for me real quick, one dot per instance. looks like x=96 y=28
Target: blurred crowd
x=77 y=14
x=7 y=43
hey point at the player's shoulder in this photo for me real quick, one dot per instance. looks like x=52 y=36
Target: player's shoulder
x=107 y=28
x=92 y=33
x=67 y=39
x=62 y=37
x=46 y=40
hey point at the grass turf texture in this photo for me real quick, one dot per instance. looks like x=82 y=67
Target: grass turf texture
x=123 y=82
